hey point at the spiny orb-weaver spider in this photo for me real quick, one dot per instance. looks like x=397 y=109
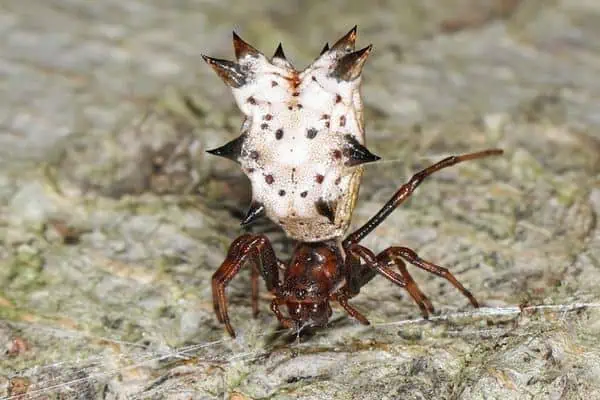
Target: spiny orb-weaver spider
x=302 y=146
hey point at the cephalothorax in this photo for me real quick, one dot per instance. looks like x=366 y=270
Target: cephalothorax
x=280 y=101
x=302 y=141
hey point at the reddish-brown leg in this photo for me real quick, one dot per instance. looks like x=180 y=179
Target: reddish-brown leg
x=407 y=189
x=342 y=299
x=286 y=322
x=254 y=282
x=412 y=257
x=387 y=257
x=356 y=275
x=358 y=251
x=247 y=248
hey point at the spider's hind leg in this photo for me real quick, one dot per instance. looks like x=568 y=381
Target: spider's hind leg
x=387 y=257
x=359 y=274
x=412 y=257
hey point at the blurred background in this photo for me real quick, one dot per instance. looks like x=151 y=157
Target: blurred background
x=113 y=218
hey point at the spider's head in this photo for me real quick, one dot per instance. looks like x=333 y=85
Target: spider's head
x=310 y=278
x=309 y=313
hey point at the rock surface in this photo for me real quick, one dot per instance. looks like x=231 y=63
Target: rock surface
x=112 y=219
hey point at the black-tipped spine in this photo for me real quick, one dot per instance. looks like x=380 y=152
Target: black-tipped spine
x=255 y=211
x=279 y=53
x=346 y=43
x=350 y=66
x=233 y=74
x=231 y=150
x=356 y=153
x=243 y=49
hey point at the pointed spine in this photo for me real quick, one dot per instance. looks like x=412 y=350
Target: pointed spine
x=357 y=153
x=279 y=53
x=243 y=49
x=231 y=150
x=326 y=209
x=255 y=211
x=346 y=43
x=350 y=66
x=232 y=73
x=325 y=49
x=279 y=58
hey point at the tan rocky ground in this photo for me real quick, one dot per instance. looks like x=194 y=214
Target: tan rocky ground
x=112 y=219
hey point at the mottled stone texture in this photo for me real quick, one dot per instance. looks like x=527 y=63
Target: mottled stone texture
x=112 y=219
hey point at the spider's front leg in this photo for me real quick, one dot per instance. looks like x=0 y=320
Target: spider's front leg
x=407 y=189
x=286 y=322
x=357 y=274
x=255 y=249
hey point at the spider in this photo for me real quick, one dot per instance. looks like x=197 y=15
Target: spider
x=303 y=146
x=333 y=269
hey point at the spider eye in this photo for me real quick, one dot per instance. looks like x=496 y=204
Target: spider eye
x=301 y=293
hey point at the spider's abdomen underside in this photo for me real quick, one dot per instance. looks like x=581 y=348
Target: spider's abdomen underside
x=302 y=142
